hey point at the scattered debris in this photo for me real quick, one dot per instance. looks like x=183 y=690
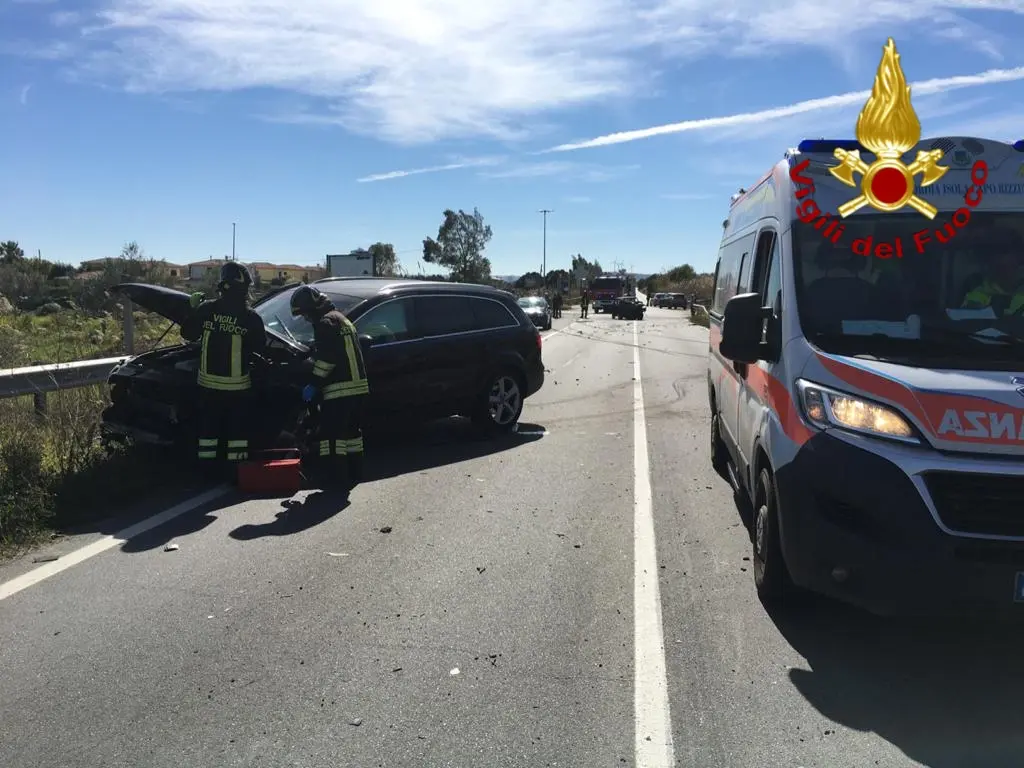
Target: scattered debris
x=454 y=672
x=338 y=554
x=386 y=529
x=45 y=558
x=356 y=721
x=171 y=548
x=481 y=570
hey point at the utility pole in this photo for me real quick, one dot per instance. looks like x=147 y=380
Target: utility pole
x=232 y=241
x=544 y=264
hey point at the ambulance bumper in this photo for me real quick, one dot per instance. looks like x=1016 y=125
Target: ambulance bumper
x=855 y=527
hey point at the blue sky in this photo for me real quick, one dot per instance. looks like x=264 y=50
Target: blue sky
x=164 y=121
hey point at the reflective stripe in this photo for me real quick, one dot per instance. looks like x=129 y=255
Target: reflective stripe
x=207 y=441
x=207 y=454
x=346 y=389
x=340 y=449
x=355 y=445
x=237 y=455
x=322 y=368
x=350 y=351
x=236 y=357
x=224 y=383
x=238 y=443
x=205 y=353
x=325 y=447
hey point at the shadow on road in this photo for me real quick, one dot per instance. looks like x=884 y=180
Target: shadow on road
x=944 y=693
x=297 y=516
x=389 y=453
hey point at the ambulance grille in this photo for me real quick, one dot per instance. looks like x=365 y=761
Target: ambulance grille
x=987 y=505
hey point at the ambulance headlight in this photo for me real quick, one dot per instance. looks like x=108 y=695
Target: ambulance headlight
x=824 y=407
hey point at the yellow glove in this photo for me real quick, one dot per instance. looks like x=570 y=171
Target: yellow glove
x=196 y=299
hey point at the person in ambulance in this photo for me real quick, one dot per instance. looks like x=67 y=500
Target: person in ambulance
x=1001 y=289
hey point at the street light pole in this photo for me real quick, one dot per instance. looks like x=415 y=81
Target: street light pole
x=232 y=241
x=544 y=264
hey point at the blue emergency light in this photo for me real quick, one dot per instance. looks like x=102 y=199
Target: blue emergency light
x=829 y=145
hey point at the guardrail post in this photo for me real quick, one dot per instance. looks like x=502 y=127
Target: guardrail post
x=129 y=326
x=39 y=399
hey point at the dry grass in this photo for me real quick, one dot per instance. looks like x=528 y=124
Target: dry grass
x=53 y=472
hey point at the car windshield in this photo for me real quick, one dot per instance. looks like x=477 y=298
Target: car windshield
x=929 y=302
x=276 y=313
x=532 y=301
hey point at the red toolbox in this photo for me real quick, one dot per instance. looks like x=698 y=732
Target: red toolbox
x=273 y=472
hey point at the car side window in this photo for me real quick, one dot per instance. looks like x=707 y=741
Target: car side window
x=387 y=322
x=443 y=315
x=772 y=295
x=491 y=314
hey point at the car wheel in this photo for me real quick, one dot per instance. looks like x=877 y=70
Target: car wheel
x=502 y=403
x=770 y=575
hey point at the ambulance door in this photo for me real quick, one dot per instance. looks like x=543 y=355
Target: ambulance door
x=766 y=279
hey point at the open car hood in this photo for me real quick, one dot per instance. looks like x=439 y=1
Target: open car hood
x=166 y=302
x=172 y=304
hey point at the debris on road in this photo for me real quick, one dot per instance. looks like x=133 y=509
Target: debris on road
x=356 y=721
x=171 y=548
x=386 y=529
x=338 y=554
x=45 y=558
x=454 y=672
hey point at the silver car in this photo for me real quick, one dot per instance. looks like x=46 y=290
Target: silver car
x=538 y=310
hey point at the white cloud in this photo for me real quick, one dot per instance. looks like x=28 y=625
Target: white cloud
x=415 y=71
x=937 y=85
x=468 y=163
x=566 y=171
x=23 y=96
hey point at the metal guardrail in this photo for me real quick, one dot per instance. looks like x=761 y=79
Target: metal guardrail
x=38 y=380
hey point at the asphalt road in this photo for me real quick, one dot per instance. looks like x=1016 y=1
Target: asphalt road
x=511 y=616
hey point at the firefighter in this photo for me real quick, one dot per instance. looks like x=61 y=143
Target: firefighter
x=339 y=387
x=232 y=335
x=584 y=302
x=557 y=306
x=1001 y=288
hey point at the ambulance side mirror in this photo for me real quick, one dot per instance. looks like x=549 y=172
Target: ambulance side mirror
x=743 y=328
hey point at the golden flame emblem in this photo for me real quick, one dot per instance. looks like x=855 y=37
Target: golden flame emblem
x=888 y=127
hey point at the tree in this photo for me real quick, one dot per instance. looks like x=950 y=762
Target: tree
x=461 y=240
x=385 y=262
x=681 y=273
x=556 y=278
x=11 y=252
x=529 y=281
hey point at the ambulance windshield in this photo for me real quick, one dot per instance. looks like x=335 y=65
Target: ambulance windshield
x=917 y=294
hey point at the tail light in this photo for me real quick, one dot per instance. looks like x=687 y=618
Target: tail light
x=540 y=339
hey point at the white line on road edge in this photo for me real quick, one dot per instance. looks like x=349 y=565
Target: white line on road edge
x=82 y=554
x=652 y=717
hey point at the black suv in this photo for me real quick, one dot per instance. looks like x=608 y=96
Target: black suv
x=432 y=350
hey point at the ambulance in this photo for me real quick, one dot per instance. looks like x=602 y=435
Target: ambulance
x=866 y=377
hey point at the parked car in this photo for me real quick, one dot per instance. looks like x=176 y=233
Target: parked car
x=628 y=308
x=658 y=299
x=538 y=310
x=432 y=350
x=674 y=301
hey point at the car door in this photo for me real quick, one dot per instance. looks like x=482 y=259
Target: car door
x=392 y=366
x=737 y=280
x=766 y=281
x=451 y=348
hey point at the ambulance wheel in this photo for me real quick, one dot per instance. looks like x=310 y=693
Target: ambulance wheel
x=719 y=453
x=770 y=575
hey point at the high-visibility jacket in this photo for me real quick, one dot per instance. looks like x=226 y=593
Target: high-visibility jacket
x=231 y=334
x=338 y=366
x=983 y=295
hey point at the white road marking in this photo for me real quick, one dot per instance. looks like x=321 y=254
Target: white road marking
x=652 y=717
x=82 y=554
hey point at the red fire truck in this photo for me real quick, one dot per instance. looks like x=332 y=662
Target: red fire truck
x=605 y=289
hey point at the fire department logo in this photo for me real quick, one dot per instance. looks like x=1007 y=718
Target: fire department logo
x=888 y=127
x=1018 y=381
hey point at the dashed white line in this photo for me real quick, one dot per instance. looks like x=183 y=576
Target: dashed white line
x=652 y=716
x=82 y=554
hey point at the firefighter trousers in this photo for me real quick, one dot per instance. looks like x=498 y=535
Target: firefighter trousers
x=338 y=443
x=223 y=430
